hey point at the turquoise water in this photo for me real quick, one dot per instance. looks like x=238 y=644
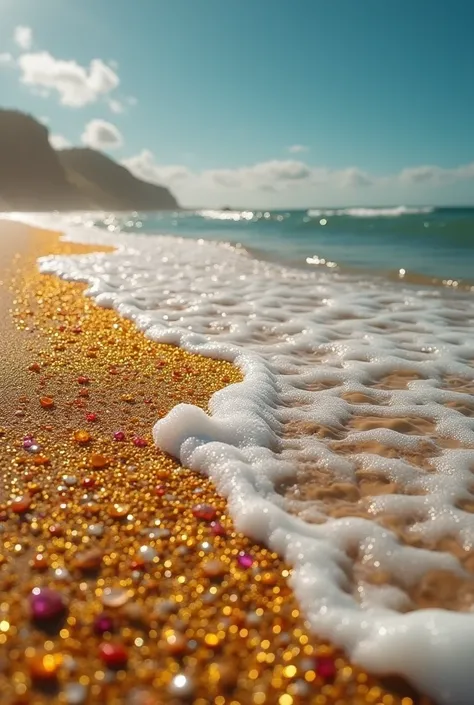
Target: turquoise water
x=437 y=243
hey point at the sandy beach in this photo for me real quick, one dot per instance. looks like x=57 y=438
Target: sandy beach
x=122 y=578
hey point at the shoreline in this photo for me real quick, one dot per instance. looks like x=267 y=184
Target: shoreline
x=398 y=277
x=66 y=543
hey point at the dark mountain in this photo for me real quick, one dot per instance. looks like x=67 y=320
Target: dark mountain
x=33 y=176
x=109 y=186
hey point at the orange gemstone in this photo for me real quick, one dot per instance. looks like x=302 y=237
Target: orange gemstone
x=21 y=504
x=214 y=569
x=88 y=560
x=118 y=511
x=45 y=666
x=34 y=367
x=40 y=460
x=47 y=402
x=98 y=461
x=39 y=562
x=82 y=437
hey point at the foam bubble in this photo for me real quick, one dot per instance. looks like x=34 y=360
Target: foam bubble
x=305 y=341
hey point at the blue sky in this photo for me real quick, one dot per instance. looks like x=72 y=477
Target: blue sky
x=257 y=102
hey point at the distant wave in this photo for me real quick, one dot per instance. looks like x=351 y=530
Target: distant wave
x=369 y=212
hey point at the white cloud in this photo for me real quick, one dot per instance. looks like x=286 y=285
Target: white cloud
x=6 y=59
x=115 y=105
x=76 y=85
x=59 y=142
x=295 y=182
x=436 y=175
x=131 y=100
x=298 y=148
x=144 y=166
x=100 y=134
x=23 y=36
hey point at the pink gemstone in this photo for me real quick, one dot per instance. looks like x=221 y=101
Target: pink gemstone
x=140 y=442
x=204 y=511
x=27 y=443
x=245 y=560
x=217 y=528
x=326 y=667
x=119 y=436
x=46 y=604
x=103 y=623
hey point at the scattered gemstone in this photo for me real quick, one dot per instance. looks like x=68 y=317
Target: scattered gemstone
x=20 y=505
x=114 y=656
x=75 y=693
x=46 y=604
x=217 y=529
x=115 y=597
x=82 y=437
x=119 y=511
x=206 y=512
x=47 y=402
x=103 y=623
x=91 y=417
x=245 y=560
x=147 y=553
x=95 y=529
x=140 y=442
x=82 y=379
x=119 y=436
x=89 y=560
x=44 y=667
x=98 y=461
x=214 y=569
x=325 y=667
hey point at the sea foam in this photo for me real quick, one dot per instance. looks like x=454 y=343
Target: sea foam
x=302 y=339
x=394 y=212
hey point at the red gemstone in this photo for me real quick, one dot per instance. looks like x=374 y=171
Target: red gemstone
x=326 y=667
x=113 y=655
x=160 y=490
x=217 y=528
x=140 y=442
x=91 y=417
x=76 y=329
x=82 y=379
x=119 y=436
x=204 y=511
x=88 y=482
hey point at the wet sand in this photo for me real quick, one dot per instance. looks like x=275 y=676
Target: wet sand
x=122 y=579
x=436 y=588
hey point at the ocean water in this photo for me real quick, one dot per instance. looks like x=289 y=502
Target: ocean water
x=433 y=242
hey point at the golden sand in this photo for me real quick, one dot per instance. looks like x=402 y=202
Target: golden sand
x=122 y=579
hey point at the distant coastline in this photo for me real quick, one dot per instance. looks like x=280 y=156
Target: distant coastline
x=35 y=177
